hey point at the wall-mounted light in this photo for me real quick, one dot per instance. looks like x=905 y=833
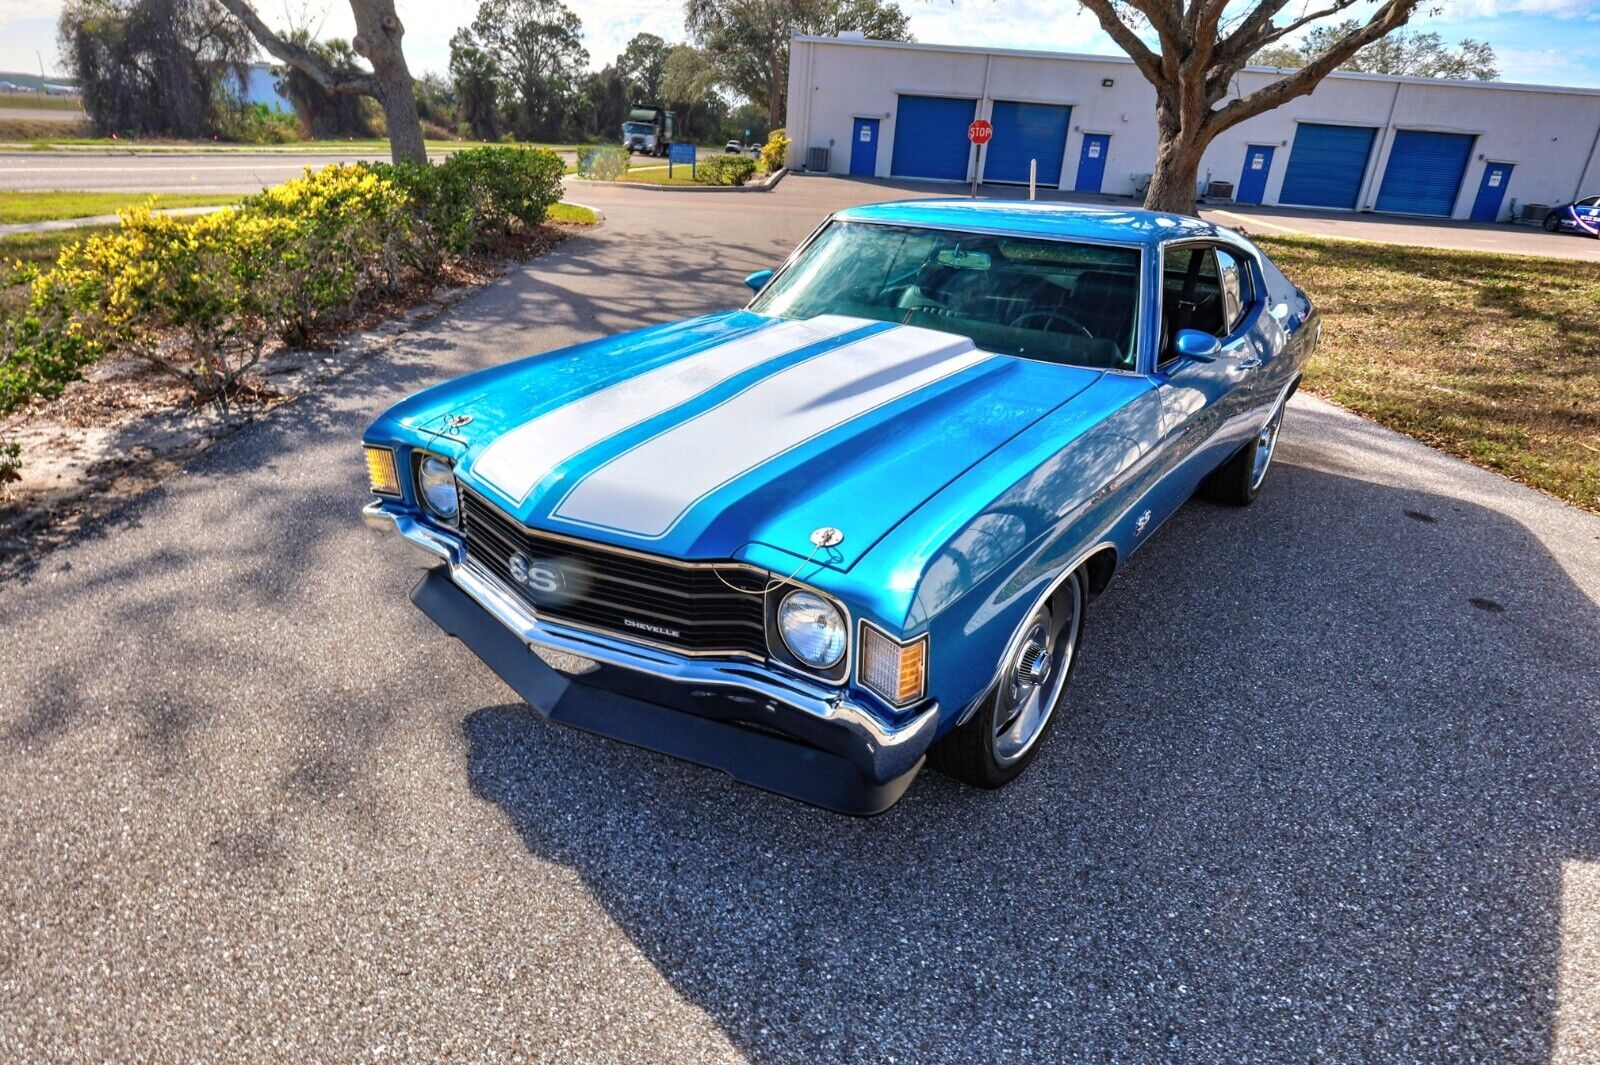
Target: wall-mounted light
x=1106 y=83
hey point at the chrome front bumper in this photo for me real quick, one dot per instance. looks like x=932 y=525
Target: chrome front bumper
x=768 y=728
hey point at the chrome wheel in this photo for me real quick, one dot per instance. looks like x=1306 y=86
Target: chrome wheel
x=1033 y=678
x=1266 y=440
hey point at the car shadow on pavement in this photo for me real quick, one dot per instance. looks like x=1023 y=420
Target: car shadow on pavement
x=1313 y=800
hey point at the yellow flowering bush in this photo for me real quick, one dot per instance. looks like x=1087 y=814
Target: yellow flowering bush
x=775 y=151
x=201 y=298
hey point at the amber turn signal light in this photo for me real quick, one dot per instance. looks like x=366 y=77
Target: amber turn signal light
x=382 y=476
x=897 y=671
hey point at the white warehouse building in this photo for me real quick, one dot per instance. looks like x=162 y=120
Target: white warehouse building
x=1360 y=142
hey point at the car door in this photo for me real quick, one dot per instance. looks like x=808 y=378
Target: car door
x=1586 y=215
x=1204 y=404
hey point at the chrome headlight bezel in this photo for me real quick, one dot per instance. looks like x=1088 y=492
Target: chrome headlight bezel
x=437 y=491
x=830 y=654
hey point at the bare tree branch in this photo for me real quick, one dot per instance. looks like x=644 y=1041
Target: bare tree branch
x=300 y=58
x=1388 y=18
x=1203 y=44
x=1148 y=62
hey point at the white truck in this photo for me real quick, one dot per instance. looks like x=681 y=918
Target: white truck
x=648 y=130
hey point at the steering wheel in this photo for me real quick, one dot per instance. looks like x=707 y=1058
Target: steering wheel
x=1046 y=317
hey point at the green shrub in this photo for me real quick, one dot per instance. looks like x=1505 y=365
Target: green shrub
x=201 y=298
x=605 y=164
x=474 y=198
x=41 y=350
x=774 y=152
x=727 y=170
x=256 y=124
x=334 y=232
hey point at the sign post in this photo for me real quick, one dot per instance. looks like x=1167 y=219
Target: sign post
x=979 y=133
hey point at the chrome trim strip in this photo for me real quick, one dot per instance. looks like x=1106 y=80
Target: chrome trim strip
x=888 y=750
x=763 y=576
x=451 y=547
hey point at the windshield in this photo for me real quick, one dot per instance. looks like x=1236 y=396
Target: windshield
x=637 y=127
x=1050 y=300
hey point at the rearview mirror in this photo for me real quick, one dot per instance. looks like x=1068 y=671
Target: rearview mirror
x=1194 y=344
x=758 y=280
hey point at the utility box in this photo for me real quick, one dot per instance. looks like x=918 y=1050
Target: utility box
x=817 y=160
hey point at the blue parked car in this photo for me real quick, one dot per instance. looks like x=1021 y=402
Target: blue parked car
x=1581 y=216
x=856 y=526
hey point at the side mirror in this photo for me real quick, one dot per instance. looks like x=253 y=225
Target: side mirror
x=1196 y=345
x=758 y=280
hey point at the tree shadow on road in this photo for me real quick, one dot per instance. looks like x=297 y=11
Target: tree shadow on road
x=1325 y=762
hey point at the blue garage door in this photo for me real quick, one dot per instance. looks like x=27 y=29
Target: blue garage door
x=930 y=137
x=1424 y=172
x=1023 y=132
x=1326 y=165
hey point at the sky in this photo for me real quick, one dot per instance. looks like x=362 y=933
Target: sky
x=1554 y=42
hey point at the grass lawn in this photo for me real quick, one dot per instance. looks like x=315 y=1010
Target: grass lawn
x=1495 y=358
x=572 y=214
x=45 y=206
x=38 y=101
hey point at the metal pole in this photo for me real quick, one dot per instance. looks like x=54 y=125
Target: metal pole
x=1033 y=176
x=976 y=170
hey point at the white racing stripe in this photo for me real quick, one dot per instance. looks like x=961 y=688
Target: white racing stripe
x=519 y=459
x=647 y=490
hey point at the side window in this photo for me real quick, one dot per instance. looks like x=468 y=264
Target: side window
x=1234 y=281
x=1191 y=294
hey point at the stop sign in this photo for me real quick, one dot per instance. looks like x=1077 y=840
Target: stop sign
x=980 y=131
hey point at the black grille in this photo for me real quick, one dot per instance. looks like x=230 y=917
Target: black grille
x=688 y=608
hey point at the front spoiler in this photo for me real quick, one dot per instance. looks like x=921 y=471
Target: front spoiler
x=737 y=719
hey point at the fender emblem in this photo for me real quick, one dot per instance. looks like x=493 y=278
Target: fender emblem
x=1139 y=526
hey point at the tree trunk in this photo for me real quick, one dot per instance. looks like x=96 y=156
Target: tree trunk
x=378 y=33
x=1176 y=174
x=777 y=89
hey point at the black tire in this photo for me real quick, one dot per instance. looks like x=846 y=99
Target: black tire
x=1552 y=223
x=969 y=752
x=1238 y=481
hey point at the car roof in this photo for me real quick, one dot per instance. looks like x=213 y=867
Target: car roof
x=1033 y=218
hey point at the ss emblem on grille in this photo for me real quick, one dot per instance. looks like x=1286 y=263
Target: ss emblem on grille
x=538 y=576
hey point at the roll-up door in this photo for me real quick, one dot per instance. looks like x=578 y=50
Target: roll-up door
x=1326 y=165
x=930 y=137
x=1424 y=172
x=1024 y=132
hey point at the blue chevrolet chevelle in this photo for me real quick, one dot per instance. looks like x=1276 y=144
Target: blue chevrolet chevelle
x=855 y=526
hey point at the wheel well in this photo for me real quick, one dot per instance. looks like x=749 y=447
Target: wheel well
x=1098 y=569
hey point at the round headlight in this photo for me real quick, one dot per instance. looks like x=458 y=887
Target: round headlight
x=812 y=628
x=436 y=483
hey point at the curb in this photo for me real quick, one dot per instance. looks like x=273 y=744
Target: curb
x=599 y=215
x=767 y=185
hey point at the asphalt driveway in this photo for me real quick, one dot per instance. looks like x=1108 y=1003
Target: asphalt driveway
x=1327 y=790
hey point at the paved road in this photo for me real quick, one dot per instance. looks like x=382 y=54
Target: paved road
x=215 y=171
x=1327 y=790
x=41 y=114
x=1388 y=229
x=229 y=171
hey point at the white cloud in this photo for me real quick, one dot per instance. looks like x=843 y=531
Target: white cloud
x=1464 y=10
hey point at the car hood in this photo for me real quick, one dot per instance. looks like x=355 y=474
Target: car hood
x=700 y=439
